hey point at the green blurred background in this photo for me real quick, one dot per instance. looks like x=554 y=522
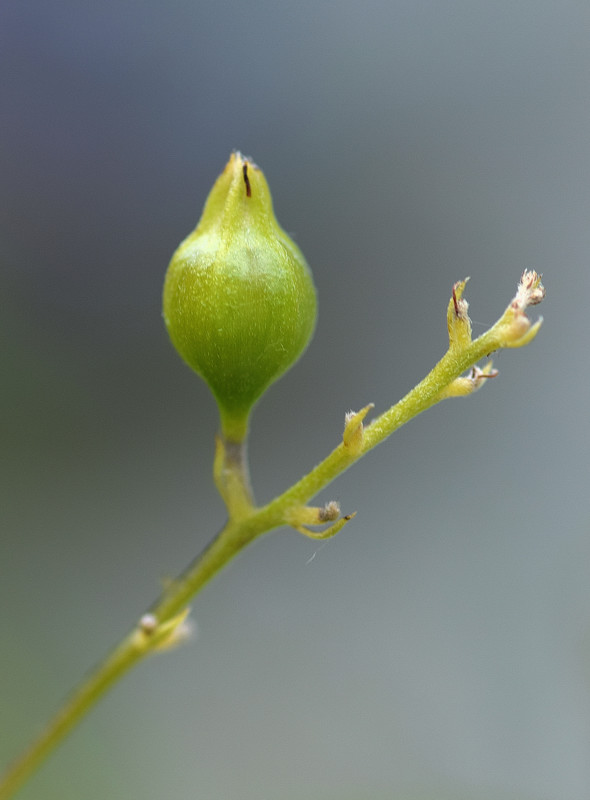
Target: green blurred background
x=439 y=647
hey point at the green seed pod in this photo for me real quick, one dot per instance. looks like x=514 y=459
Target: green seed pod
x=239 y=299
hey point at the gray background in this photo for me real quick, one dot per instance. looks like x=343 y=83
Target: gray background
x=439 y=647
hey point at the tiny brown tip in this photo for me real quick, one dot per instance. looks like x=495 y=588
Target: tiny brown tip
x=455 y=301
x=247 y=180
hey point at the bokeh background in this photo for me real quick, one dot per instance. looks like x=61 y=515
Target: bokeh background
x=439 y=647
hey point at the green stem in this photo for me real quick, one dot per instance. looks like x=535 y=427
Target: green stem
x=128 y=653
x=423 y=396
x=246 y=523
x=113 y=668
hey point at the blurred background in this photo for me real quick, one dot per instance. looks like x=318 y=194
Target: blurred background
x=439 y=647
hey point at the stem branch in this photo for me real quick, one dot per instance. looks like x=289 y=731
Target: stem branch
x=247 y=521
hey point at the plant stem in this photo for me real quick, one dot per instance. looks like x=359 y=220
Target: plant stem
x=246 y=523
x=419 y=399
x=113 y=668
x=128 y=653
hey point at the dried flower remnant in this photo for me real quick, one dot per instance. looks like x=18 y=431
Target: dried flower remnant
x=468 y=384
x=514 y=328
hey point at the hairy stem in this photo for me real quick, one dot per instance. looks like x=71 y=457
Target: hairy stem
x=247 y=522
